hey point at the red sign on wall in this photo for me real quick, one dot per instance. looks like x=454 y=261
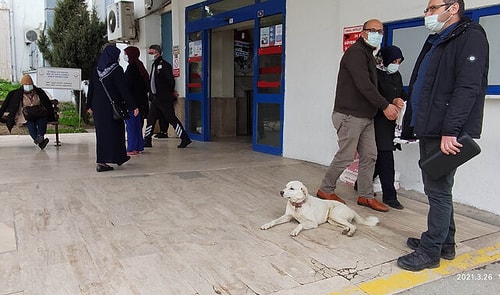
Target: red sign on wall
x=351 y=34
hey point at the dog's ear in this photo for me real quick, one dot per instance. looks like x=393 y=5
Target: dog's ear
x=304 y=191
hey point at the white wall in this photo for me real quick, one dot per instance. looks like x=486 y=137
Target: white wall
x=25 y=17
x=313 y=51
x=5 y=52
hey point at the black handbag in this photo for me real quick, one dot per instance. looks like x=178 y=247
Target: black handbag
x=120 y=109
x=33 y=113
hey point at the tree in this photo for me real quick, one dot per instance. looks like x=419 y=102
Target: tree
x=74 y=41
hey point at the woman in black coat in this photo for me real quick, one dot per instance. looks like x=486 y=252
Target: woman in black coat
x=137 y=81
x=390 y=85
x=28 y=95
x=110 y=133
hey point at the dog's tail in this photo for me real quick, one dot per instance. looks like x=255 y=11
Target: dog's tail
x=370 y=220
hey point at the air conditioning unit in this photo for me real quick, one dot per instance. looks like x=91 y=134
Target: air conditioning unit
x=120 y=21
x=31 y=35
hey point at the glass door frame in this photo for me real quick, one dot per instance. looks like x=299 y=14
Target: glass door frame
x=204 y=24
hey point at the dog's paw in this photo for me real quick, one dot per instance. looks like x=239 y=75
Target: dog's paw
x=345 y=231
x=265 y=226
x=295 y=233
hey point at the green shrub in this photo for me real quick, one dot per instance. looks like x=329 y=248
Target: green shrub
x=6 y=87
x=69 y=121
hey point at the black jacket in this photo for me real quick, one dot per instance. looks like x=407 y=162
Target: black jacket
x=13 y=102
x=164 y=80
x=357 y=93
x=452 y=98
x=137 y=87
x=391 y=87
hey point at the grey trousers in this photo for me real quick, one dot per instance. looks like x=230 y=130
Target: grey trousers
x=354 y=134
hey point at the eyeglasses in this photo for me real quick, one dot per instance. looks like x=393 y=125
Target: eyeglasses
x=434 y=7
x=373 y=30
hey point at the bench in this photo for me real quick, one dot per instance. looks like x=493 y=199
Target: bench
x=55 y=123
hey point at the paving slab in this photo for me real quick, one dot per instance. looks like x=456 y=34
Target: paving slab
x=187 y=221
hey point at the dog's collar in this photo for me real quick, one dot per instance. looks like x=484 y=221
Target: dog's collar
x=297 y=204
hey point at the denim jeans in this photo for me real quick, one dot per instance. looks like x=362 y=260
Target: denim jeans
x=37 y=129
x=440 y=220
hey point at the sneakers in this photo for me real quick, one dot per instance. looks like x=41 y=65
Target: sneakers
x=373 y=204
x=161 y=135
x=184 y=143
x=417 y=261
x=447 y=250
x=333 y=197
x=394 y=204
x=43 y=144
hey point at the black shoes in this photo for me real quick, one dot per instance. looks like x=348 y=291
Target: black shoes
x=147 y=142
x=126 y=159
x=103 y=167
x=394 y=204
x=43 y=144
x=417 y=261
x=184 y=143
x=161 y=135
x=447 y=250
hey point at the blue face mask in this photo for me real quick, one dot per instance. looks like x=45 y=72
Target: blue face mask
x=374 y=39
x=27 y=88
x=392 y=68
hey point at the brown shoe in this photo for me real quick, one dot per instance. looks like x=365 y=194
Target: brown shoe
x=332 y=196
x=372 y=203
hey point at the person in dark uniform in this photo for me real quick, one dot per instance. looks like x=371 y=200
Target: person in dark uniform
x=163 y=98
x=390 y=86
x=110 y=133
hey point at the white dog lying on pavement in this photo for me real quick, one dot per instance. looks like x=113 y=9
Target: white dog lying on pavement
x=310 y=211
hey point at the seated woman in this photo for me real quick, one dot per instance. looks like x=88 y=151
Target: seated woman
x=28 y=95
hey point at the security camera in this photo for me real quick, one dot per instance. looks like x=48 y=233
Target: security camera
x=148 y=4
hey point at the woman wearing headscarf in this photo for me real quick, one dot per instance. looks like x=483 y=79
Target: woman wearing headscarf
x=110 y=133
x=28 y=95
x=137 y=81
x=390 y=85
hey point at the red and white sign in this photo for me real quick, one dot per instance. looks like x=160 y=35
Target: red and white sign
x=176 y=66
x=351 y=34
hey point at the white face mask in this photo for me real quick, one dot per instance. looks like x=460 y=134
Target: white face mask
x=27 y=88
x=151 y=56
x=392 y=68
x=432 y=21
x=125 y=58
x=374 y=39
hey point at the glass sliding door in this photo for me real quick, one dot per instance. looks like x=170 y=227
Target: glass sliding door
x=267 y=81
x=197 y=116
x=268 y=93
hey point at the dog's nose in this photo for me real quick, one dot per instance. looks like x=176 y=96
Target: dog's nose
x=282 y=193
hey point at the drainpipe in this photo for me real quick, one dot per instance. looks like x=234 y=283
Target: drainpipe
x=12 y=47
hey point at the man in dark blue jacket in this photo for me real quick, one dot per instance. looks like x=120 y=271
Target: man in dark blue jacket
x=447 y=92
